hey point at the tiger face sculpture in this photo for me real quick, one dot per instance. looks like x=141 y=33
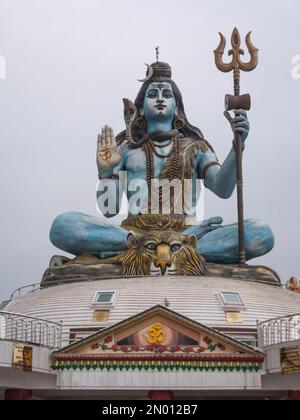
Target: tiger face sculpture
x=162 y=253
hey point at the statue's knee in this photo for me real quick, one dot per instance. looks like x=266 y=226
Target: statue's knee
x=268 y=239
x=254 y=223
x=259 y=237
x=61 y=225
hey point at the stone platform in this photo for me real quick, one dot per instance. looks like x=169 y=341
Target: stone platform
x=89 y=268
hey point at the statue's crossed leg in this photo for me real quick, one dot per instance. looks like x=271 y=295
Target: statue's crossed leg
x=77 y=233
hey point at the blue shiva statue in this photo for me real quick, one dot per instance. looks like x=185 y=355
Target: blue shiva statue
x=159 y=143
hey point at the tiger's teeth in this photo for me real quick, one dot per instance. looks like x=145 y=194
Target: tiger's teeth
x=155 y=273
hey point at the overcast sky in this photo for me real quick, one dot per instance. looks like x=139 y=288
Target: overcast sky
x=69 y=64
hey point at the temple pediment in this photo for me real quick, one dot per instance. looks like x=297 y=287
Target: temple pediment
x=158 y=339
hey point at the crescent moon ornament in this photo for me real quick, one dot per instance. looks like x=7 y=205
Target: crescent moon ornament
x=150 y=74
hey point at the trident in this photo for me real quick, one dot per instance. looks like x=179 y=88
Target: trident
x=237 y=102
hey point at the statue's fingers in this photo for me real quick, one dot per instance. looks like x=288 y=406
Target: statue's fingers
x=102 y=138
x=243 y=124
x=112 y=138
x=99 y=141
x=107 y=136
x=240 y=112
x=240 y=118
x=212 y=228
x=241 y=130
x=215 y=221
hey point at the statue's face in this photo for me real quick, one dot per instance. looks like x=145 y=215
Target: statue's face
x=159 y=102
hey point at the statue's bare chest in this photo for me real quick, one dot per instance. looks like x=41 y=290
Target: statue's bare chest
x=136 y=161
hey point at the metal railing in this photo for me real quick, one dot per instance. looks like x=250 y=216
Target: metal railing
x=279 y=330
x=28 y=329
x=30 y=288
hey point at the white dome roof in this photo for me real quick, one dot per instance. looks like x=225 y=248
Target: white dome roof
x=193 y=297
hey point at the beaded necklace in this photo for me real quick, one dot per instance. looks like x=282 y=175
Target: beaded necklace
x=149 y=150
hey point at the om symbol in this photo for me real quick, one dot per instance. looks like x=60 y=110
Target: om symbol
x=155 y=334
x=106 y=154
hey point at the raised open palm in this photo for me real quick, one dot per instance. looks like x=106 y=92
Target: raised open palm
x=107 y=155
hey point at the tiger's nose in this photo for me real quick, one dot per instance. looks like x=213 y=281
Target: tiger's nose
x=163 y=258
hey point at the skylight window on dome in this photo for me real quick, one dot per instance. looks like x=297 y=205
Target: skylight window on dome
x=104 y=298
x=230 y=298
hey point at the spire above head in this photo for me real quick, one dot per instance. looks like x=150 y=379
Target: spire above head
x=157 y=69
x=157 y=53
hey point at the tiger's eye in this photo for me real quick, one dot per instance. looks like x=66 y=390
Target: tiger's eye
x=151 y=246
x=175 y=247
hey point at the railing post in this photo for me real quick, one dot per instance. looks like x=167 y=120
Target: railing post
x=8 y=327
x=25 y=330
x=48 y=329
x=60 y=334
x=40 y=332
x=14 y=329
x=31 y=331
x=54 y=334
x=258 y=333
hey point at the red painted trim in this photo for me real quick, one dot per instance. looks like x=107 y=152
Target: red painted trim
x=161 y=395
x=294 y=395
x=18 y=394
x=160 y=357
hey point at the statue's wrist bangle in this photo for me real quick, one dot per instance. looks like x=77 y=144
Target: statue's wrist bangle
x=101 y=178
x=206 y=167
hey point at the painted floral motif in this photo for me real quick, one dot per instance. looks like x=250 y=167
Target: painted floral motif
x=210 y=347
x=213 y=346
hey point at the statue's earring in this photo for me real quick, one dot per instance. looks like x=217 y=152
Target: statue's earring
x=140 y=121
x=178 y=122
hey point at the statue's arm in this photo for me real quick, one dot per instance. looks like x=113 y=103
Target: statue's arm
x=110 y=191
x=111 y=161
x=221 y=179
